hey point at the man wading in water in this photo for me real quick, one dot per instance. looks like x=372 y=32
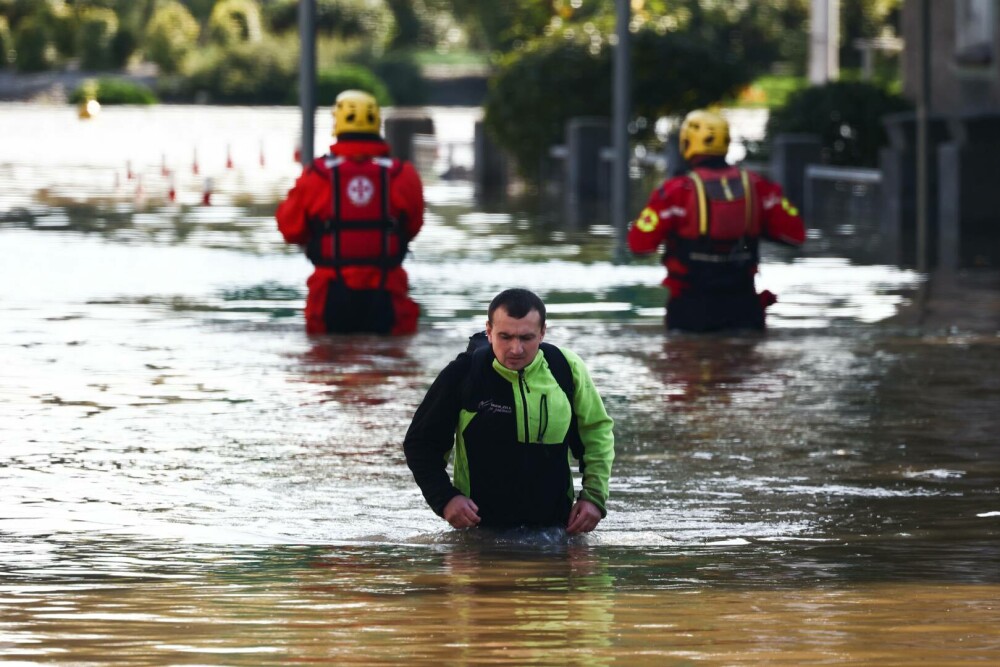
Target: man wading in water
x=513 y=410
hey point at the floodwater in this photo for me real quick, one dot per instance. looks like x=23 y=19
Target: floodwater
x=188 y=479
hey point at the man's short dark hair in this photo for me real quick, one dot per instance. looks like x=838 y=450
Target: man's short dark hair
x=518 y=303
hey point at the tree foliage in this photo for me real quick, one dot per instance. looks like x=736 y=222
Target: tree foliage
x=234 y=21
x=171 y=34
x=348 y=19
x=98 y=29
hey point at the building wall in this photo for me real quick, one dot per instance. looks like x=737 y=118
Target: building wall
x=965 y=54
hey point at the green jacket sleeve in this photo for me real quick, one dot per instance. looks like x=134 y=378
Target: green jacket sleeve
x=596 y=433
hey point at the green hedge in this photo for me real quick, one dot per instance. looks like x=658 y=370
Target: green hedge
x=847 y=116
x=113 y=91
x=335 y=80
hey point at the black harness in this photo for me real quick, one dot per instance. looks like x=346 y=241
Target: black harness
x=329 y=230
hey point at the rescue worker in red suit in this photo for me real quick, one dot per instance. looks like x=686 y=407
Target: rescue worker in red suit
x=354 y=211
x=710 y=221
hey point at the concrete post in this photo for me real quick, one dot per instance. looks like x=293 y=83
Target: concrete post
x=307 y=80
x=790 y=154
x=585 y=138
x=400 y=127
x=898 y=163
x=490 y=165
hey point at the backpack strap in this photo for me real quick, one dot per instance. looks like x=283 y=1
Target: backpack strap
x=563 y=374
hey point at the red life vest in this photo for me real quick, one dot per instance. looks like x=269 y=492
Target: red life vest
x=717 y=241
x=360 y=230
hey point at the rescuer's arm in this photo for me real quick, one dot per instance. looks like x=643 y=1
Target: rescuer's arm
x=303 y=200
x=596 y=432
x=431 y=436
x=780 y=218
x=408 y=196
x=650 y=228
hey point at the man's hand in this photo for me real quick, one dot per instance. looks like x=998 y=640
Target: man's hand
x=583 y=518
x=461 y=512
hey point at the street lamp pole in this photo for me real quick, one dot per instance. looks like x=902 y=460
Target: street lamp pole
x=622 y=87
x=923 y=110
x=307 y=78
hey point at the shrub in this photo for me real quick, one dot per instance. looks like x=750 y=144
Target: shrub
x=108 y=90
x=332 y=81
x=95 y=39
x=538 y=89
x=847 y=116
x=344 y=18
x=171 y=35
x=33 y=45
x=402 y=77
x=246 y=73
x=234 y=21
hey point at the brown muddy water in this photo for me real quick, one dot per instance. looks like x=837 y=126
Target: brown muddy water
x=188 y=479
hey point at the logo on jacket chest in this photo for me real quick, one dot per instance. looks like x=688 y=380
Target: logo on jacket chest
x=360 y=190
x=493 y=408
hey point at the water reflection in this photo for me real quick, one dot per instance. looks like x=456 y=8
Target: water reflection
x=102 y=602
x=188 y=478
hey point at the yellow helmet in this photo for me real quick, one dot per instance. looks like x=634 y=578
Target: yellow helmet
x=356 y=111
x=704 y=133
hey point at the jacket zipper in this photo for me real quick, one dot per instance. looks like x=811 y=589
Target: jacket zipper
x=543 y=417
x=523 y=386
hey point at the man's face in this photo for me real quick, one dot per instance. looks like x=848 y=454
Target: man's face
x=515 y=342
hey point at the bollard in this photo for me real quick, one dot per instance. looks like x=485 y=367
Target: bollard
x=171 y=188
x=260 y=159
x=206 y=195
x=229 y=157
x=400 y=128
x=194 y=163
x=163 y=165
x=128 y=170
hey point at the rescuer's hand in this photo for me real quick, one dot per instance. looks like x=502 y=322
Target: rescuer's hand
x=583 y=518
x=461 y=512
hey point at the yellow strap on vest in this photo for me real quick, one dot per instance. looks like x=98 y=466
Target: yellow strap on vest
x=699 y=187
x=748 y=196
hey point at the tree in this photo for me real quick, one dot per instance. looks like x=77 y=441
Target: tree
x=171 y=35
x=235 y=21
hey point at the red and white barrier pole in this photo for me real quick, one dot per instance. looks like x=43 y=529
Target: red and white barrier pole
x=206 y=195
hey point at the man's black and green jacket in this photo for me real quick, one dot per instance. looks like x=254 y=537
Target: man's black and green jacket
x=511 y=432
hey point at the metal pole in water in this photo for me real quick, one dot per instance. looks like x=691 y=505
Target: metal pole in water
x=622 y=86
x=923 y=108
x=307 y=78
